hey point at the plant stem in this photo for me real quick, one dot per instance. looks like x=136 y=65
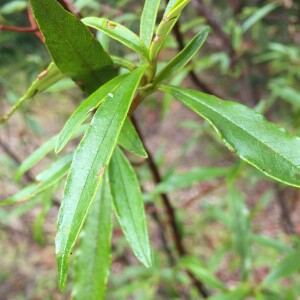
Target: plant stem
x=287 y=223
x=151 y=209
x=170 y=211
x=18 y=29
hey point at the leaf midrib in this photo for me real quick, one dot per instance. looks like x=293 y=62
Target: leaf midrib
x=243 y=129
x=128 y=205
x=83 y=189
x=66 y=38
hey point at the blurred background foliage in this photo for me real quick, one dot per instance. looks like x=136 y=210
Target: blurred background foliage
x=240 y=229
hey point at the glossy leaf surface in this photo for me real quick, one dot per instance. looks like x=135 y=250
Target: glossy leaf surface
x=148 y=20
x=262 y=144
x=89 y=163
x=119 y=33
x=129 y=206
x=93 y=257
x=84 y=110
x=182 y=58
x=170 y=17
x=73 y=48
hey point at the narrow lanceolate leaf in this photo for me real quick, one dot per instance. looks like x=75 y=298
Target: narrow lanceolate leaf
x=129 y=206
x=262 y=12
x=182 y=58
x=93 y=257
x=44 y=80
x=130 y=140
x=84 y=110
x=289 y=265
x=73 y=48
x=148 y=20
x=268 y=242
x=36 y=156
x=248 y=134
x=90 y=161
x=47 y=203
x=45 y=179
x=119 y=33
x=193 y=265
x=189 y=178
x=240 y=229
x=170 y=18
x=123 y=63
x=239 y=293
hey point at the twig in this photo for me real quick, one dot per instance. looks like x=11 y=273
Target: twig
x=170 y=211
x=151 y=209
x=18 y=29
x=204 y=192
x=285 y=214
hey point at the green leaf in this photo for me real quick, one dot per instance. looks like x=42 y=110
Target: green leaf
x=47 y=178
x=262 y=12
x=182 y=58
x=129 y=206
x=271 y=295
x=239 y=293
x=13 y=6
x=189 y=178
x=73 y=48
x=119 y=33
x=123 y=63
x=287 y=93
x=42 y=151
x=130 y=140
x=171 y=16
x=269 y=242
x=193 y=265
x=289 y=265
x=44 y=80
x=84 y=110
x=148 y=20
x=240 y=229
x=36 y=156
x=93 y=257
x=89 y=163
x=248 y=134
x=47 y=204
